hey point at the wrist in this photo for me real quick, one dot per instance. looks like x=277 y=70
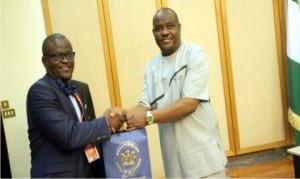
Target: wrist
x=149 y=118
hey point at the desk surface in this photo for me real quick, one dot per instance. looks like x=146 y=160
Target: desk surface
x=294 y=150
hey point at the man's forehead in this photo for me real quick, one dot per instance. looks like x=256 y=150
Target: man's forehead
x=164 y=18
x=58 y=44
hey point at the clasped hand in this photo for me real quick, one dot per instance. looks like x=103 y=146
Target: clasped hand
x=115 y=118
x=118 y=119
x=136 y=120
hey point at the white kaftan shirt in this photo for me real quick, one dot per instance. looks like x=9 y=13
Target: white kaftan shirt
x=191 y=147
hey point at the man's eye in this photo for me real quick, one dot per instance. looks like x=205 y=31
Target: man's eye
x=157 y=29
x=170 y=26
x=69 y=55
x=55 y=56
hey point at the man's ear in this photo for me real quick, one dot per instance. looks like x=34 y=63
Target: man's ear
x=44 y=60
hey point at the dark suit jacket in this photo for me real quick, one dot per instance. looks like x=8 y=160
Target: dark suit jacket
x=57 y=139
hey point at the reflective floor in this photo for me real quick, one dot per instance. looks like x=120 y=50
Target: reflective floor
x=266 y=164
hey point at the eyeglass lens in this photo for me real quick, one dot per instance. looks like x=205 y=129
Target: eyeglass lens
x=61 y=56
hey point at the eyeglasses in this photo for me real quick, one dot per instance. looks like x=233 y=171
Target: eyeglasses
x=61 y=56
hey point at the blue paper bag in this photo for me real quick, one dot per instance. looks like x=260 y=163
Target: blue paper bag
x=126 y=155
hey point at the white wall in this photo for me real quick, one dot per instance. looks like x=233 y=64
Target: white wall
x=22 y=33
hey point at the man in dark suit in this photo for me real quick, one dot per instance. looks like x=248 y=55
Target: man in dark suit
x=61 y=134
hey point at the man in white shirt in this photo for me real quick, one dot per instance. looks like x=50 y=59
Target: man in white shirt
x=175 y=95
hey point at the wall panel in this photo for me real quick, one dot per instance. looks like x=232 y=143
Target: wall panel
x=22 y=33
x=256 y=72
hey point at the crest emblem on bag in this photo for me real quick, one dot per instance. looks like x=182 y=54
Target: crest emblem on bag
x=128 y=158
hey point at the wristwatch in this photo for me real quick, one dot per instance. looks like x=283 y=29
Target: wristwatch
x=149 y=118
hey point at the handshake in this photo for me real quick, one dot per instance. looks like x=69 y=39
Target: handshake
x=121 y=120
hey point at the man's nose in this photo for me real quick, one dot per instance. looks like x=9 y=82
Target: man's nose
x=165 y=31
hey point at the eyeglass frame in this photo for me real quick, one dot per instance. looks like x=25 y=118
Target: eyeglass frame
x=61 y=56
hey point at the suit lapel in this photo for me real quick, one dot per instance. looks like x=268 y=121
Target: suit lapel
x=66 y=103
